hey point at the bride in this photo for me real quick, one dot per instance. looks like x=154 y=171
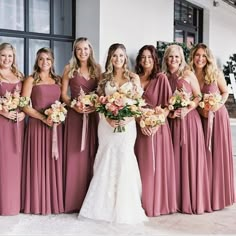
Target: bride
x=114 y=193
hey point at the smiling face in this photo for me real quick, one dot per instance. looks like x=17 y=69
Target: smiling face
x=146 y=60
x=82 y=51
x=200 y=59
x=44 y=61
x=6 y=58
x=118 y=58
x=173 y=60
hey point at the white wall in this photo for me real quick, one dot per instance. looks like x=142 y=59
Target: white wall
x=139 y=22
x=134 y=23
x=88 y=22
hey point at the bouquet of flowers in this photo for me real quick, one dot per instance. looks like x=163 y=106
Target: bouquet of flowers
x=152 y=117
x=84 y=100
x=118 y=106
x=12 y=100
x=179 y=99
x=57 y=114
x=210 y=101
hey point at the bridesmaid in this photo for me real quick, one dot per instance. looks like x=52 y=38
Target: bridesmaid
x=216 y=128
x=11 y=137
x=42 y=174
x=80 y=139
x=192 y=185
x=153 y=147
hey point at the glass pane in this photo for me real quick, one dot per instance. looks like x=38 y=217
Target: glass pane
x=34 y=46
x=62 y=53
x=179 y=36
x=12 y=14
x=190 y=40
x=184 y=13
x=63 y=17
x=18 y=44
x=177 y=10
x=190 y=15
x=39 y=16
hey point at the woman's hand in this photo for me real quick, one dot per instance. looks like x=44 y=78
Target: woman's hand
x=175 y=114
x=146 y=131
x=116 y=123
x=149 y=130
x=48 y=121
x=86 y=110
x=11 y=115
x=20 y=116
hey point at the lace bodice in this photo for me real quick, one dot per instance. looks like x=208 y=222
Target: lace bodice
x=127 y=87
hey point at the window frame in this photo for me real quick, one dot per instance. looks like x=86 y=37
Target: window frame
x=27 y=35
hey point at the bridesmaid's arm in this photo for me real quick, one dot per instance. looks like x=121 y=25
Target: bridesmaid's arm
x=195 y=91
x=65 y=86
x=30 y=111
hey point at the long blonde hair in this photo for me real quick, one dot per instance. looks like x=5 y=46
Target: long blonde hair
x=36 y=69
x=14 y=67
x=183 y=65
x=211 y=71
x=108 y=75
x=93 y=67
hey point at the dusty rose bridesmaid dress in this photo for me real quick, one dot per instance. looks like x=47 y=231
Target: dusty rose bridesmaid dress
x=11 y=146
x=219 y=154
x=79 y=160
x=156 y=156
x=192 y=184
x=42 y=185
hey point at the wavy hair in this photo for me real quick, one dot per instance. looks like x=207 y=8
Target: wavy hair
x=93 y=67
x=108 y=75
x=210 y=70
x=156 y=67
x=14 y=67
x=183 y=65
x=36 y=69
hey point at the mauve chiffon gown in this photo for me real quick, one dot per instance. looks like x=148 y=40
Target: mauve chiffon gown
x=79 y=160
x=219 y=154
x=156 y=156
x=192 y=183
x=11 y=146
x=42 y=182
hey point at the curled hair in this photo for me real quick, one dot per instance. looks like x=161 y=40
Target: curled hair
x=36 y=69
x=210 y=70
x=14 y=67
x=108 y=75
x=183 y=65
x=93 y=67
x=156 y=68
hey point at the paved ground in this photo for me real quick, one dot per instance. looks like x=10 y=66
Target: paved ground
x=220 y=222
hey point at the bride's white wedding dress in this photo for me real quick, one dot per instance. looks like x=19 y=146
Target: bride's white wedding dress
x=114 y=193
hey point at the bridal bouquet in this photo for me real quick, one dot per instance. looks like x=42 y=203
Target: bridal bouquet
x=84 y=100
x=152 y=117
x=179 y=99
x=118 y=106
x=57 y=114
x=210 y=101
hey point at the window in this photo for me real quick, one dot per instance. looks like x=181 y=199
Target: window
x=32 y=24
x=188 y=23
